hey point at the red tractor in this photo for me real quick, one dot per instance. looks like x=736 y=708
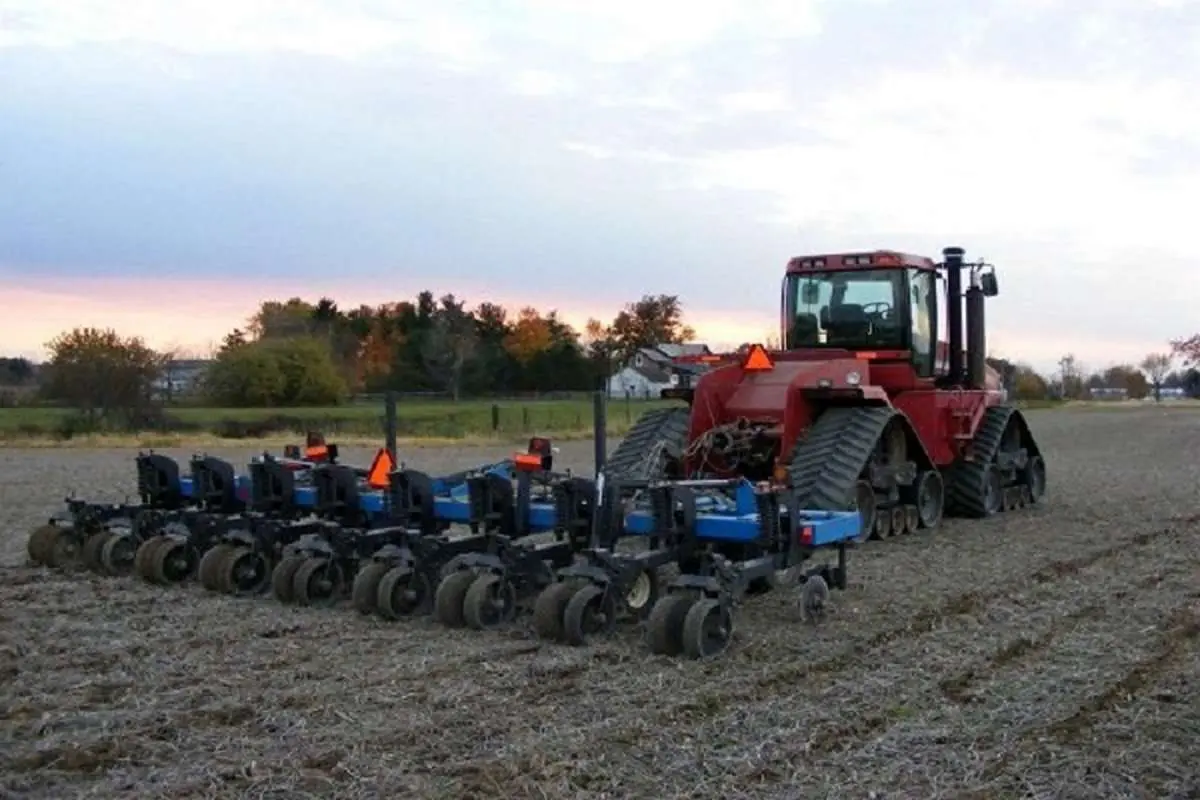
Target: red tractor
x=864 y=407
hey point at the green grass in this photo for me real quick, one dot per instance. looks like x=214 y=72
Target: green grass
x=415 y=420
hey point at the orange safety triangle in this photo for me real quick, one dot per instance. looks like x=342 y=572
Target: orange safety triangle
x=381 y=468
x=758 y=360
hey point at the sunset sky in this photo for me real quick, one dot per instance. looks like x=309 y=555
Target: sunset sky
x=168 y=165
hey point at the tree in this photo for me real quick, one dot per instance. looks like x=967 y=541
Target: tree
x=528 y=337
x=16 y=371
x=1123 y=376
x=1071 y=375
x=103 y=375
x=1187 y=349
x=651 y=321
x=275 y=373
x=1156 y=366
x=449 y=344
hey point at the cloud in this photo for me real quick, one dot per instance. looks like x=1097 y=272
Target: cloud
x=593 y=154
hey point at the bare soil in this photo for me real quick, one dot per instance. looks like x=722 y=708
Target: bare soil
x=1054 y=652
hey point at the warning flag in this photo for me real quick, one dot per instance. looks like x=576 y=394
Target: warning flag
x=381 y=468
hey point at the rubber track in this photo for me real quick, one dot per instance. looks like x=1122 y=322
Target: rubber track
x=827 y=464
x=965 y=489
x=642 y=453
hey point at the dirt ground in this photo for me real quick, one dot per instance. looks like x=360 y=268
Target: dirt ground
x=1051 y=653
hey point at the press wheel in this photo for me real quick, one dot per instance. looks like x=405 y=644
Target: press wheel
x=451 y=593
x=490 y=601
x=664 y=627
x=365 y=590
x=548 y=610
x=707 y=629
x=591 y=610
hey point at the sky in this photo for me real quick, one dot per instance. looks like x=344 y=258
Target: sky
x=168 y=165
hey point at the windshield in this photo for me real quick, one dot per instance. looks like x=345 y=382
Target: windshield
x=850 y=309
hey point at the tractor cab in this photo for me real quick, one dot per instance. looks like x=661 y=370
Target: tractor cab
x=883 y=303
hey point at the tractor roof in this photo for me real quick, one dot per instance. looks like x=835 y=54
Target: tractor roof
x=874 y=259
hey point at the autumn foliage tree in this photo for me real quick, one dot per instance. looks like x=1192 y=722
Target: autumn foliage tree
x=107 y=378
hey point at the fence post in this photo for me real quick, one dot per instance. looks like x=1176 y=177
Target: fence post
x=495 y=417
x=600 y=429
x=389 y=424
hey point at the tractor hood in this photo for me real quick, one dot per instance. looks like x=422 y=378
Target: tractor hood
x=765 y=393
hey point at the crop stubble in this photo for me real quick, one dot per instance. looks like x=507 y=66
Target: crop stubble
x=1051 y=653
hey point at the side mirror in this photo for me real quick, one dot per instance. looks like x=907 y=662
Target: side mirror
x=810 y=293
x=987 y=282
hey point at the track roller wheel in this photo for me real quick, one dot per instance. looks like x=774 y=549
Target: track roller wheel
x=898 y=519
x=1026 y=496
x=590 y=611
x=172 y=562
x=316 y=583
x=118 y=553
x=451 y=594
x=549 y=608
x=282 y=577
x=365 y=589
x=143 y=560
x=931 y=498
x=38 y=545
x=210 y=566
x=243 y=571
x=664 y=626
x=89 y=554
x=1034 y=477
x=707 y=629
x=643 y=593
x=402 y=592
x=813 y=597
x=883 y=526
x=490 y=602
x=63 y=549
x=867 y=505
x=993 y=491
x=912 y=520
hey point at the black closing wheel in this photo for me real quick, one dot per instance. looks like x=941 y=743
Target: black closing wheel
x=866 y=504
x=366 y=586
x=707 y=629
x=317 y=582
x=490 y=601
x=549 y=608
x=118 y=552
x=210 y=565
x=931 y=498
x=89 y=554
x=1034 y=476
x=283 y=577
x=39 y=543
x=143 y=560
x=402 y=591
x=173 y=561
x=590 y=611
x=451 y=593
x=813 y=597
x=664 y=627
x=63 y=548
x=243 y=571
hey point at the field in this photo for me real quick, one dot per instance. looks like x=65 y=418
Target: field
x=1051 y=653
x=415 y=419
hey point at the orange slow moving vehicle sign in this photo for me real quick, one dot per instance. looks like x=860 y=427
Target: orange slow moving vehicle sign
x=757 y=360
x=381 y=468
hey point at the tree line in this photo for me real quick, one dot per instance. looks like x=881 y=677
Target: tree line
x=298 y=353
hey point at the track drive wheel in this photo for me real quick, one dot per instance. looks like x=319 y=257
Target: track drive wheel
x=1034 y=476
x=451 y=593
x=403 y=592
x=210 y=566
x=38 y=544
x=317 y=582
x=366 y=586
x=867 y=505
x=490 y=602
x=243 y=571
x=143 y=560
x=118 y=552
x=590 y=611
x=664 y=626
x=173 y=561
x=282 y=578
x=707 y=629
x=931 y=498
x=549 y=607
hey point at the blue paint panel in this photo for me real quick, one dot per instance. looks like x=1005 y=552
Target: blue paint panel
x=828 y=527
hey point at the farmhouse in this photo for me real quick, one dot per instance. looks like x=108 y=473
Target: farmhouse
x=653 y=369
x=181 y=376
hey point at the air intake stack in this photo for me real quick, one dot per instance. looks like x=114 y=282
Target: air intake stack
x=952 y=258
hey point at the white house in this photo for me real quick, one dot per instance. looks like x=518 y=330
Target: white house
x=652 y=369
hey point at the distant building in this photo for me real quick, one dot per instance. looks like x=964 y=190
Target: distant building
x=653 y=369
x=181 y=377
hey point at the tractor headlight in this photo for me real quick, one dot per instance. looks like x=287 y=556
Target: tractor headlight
x=853 y=378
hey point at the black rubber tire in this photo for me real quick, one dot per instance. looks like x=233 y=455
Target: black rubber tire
x=1034 y=476
x=867 y=505
x=930 y=498
x=548 y=610
x=165 y=566
x=227 y=572
x=480 y=611
x=707 y=630
x=664 y=626
x=579 y=617
x=210 y=566
x=397 y=582
x=89 y=554
x=118 y=553
x=448 y=601
x=144 y=557
x=365 y=589
x=303 y=583
x=282 y=578
x=38 y=544
x=64 y=549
